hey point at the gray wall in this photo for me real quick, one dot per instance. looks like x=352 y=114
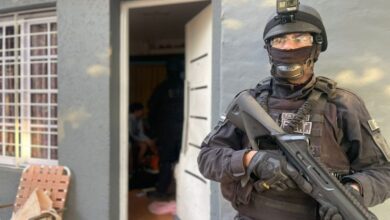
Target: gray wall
x=114 y=109
x=89 y=106
x=9 y=177
x=215 y=201
x=358 y=34
x=88 y=102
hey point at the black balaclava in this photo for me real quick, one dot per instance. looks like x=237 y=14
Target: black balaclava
x=290 y=64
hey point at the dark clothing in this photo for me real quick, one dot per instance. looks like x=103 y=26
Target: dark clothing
x=169 y=151
x=166 y=121
x=166 y=108
x=340 y=136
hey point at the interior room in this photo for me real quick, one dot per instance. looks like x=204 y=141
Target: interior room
x=157 y=54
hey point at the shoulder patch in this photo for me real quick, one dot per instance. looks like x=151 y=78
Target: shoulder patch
x=373 y=125
x=222 y=118
x=373 y=130
x=382 y=144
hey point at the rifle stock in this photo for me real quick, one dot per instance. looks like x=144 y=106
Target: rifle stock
x=246 y=113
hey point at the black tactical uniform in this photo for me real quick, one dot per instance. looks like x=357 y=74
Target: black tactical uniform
x=166 y=120
x=342 y=134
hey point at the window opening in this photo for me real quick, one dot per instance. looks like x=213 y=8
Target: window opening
x=28 y=89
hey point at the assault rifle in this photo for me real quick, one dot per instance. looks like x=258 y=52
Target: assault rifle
x=246 y=113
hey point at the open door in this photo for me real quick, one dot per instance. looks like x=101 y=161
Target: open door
x=193 y=190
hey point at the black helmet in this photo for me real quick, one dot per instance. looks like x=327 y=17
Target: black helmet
x=306 y=19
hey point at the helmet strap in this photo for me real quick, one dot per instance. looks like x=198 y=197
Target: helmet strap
x=315 y=52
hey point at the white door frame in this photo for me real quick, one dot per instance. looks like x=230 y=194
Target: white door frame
x=124 y=92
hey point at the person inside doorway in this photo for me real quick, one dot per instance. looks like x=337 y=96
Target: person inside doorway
x=139 y=140
x=166 y=122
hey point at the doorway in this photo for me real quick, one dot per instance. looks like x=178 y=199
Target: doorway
x=152 y=33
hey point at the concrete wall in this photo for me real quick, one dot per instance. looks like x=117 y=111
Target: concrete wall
x=9 y=179
x=114 y=200
x=216 y=204
x=358 y=36
x=88 y=104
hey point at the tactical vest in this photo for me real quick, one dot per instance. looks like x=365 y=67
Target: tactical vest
x=314 y=117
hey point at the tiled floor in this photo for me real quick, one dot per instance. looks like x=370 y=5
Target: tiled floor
x=138 y=208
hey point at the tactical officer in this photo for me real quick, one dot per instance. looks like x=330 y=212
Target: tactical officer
x=342 y=134
x=166 y=120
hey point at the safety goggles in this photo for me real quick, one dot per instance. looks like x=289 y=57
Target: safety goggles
x=295 y=39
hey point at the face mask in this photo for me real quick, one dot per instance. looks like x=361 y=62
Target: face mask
x=289 y=64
